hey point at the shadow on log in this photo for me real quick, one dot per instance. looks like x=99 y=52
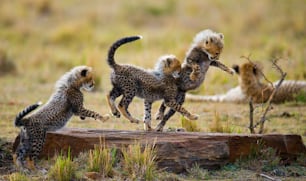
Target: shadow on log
x=176 y=151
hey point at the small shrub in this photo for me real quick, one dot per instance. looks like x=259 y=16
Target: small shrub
x=189 y=125
x=217 y=125
x=63 y=169
x=18 y=177
x=102 y=159
x=260 y=158
x=140 y=163
x=301 y=97
x=197 y=172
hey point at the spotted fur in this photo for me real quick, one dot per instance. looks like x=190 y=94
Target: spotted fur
x=66 y=101
x=151 y=85
x=203 y=53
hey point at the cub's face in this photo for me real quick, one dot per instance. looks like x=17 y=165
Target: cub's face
x=172 y=66
x=213 y=46
x=249 y=71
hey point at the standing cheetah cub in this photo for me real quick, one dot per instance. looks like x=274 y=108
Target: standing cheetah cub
x=151 y=85
x=66 y=101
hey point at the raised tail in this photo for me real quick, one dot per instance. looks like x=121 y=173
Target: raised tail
x=27 y=110
x=116 y=45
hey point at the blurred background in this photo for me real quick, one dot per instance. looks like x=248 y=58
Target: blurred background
x=46 y=38
x=42 y=39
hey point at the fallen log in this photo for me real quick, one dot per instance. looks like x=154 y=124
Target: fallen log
x=176 y=151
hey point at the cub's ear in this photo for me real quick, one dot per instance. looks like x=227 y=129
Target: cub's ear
x=236 y=68
x=168 y=62
x=84 y=72
x=221 y=36
x=255 y=71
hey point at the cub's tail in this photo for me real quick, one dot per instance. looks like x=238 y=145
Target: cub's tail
x=116 y=45
x=27 y=110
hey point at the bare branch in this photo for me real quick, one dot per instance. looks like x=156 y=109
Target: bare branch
x=269 y=107
x=251 y=127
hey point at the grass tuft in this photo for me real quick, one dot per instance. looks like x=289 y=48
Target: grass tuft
x=221 y=124
x=139 y=162
x=189 y=125
x=18 y=177
x=198 y=173
x=63 y=169
x=102 y=159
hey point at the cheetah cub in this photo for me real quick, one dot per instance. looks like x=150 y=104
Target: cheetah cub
x=66 y=101
x=151 y=85
x=203 y=53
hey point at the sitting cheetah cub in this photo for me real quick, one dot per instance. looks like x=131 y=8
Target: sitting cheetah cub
x=66 y=101
x=151 y=85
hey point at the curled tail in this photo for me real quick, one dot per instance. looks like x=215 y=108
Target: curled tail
x=27 y=110
x=116 y=45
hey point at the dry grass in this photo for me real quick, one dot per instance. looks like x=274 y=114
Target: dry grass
x=63 y=168
x=139 y=162
x=43 y=39
x=101 y=159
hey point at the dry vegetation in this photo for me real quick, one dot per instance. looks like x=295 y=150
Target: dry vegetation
x=42 y=39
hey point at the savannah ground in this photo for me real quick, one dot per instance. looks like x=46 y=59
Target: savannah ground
x=42 y=39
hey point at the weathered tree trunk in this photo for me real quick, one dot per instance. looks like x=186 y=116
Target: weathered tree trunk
x=176 y=151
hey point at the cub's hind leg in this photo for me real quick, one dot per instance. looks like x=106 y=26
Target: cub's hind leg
x=180 y=100
x=161 y=111
x=37 y=137
x=22 y=150
x=123 y=107
x=111 y=97
x=179 y=108
x=147 y=115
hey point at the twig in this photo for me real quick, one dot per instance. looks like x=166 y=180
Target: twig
x=269 y=106
x=263 y=117
x=251 y=127
x=268 y=177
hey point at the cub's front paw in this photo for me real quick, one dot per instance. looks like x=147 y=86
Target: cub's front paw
x=192 y=117
x=196 y=69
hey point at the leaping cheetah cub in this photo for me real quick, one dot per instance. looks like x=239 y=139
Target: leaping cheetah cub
x=204 y=52
x=151 y=85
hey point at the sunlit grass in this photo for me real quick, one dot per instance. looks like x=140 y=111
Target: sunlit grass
x=18 y=177
x=190 y=125
x=140 y=162
x=64 y=168
x=101 y=159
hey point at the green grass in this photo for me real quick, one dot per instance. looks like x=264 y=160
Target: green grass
x=189 y=125
x=18 y=177
x=101 y=160
x=63 y=169
x=140 y=162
